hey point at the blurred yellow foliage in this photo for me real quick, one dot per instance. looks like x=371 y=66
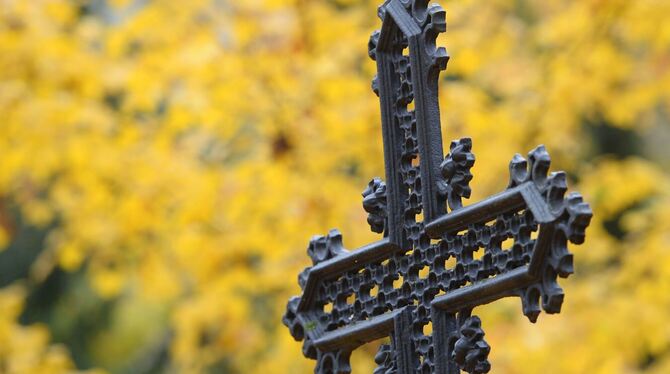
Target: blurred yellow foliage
x=26 y=349
x=179 y=154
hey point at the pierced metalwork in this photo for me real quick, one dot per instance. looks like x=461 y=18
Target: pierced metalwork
x=438 y=259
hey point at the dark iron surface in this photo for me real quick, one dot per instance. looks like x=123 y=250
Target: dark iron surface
x=437 y=259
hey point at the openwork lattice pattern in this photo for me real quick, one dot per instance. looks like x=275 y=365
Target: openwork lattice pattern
x=438 y=259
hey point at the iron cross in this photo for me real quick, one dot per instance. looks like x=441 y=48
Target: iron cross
x=437 y=259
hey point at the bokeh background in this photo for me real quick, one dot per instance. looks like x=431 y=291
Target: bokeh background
x=164 y=163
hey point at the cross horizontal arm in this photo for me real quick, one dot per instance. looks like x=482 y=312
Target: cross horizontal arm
x=510 y=200
x=358 y=334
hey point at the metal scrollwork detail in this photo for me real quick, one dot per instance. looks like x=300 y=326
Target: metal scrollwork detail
x=471 y=351
x=374 y=202
x=436 y=24
x=572 y=214
x=385 y=360
x=298 y=330
x=535 y=169
x=336 y=362
x=372 y=52
x=580 y=214
x=322 y=248
x=290 y=319
x=372 y=44
x=456 y=172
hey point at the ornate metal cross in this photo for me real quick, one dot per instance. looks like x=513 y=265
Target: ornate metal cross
x=435 y=270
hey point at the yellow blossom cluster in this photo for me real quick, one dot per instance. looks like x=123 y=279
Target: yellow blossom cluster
x=26 y=349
